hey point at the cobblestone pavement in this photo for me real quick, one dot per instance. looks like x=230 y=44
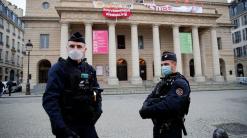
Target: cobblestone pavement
x=24 y=117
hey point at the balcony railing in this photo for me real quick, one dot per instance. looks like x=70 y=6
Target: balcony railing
x=13 y=49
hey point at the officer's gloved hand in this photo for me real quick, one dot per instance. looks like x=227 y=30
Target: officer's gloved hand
x=143 y=113
x=68 y=133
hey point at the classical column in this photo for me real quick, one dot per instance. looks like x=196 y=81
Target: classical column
x=88 y=41
x=156 y=53
x=136 y=79
x=197 y=56
x=177 y=50
x=215 y=54
x=64 y=39
x=112 y=80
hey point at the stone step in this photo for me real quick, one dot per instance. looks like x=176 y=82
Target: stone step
x=133 y=89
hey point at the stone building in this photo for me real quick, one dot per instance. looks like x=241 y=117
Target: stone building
x=137 y=33
x=238 y=16
x=11 y=42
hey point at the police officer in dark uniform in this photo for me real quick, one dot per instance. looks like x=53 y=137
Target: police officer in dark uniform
x=72 y=98
x=169 y=101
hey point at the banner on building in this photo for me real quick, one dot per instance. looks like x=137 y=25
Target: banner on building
x=169 y=8
x=116 y=12
x=100 y=42
x=185 y=43
x=113 y=4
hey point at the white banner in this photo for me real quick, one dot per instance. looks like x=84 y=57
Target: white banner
x=169 y=8
x=101 y=4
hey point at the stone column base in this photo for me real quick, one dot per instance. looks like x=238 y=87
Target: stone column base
x=231 y=79
x=218 y=78
x=136 y=80
x=113 y=81
x=156 y=79
x=199 y=78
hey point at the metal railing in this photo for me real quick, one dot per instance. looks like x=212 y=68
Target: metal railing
x=242 y=80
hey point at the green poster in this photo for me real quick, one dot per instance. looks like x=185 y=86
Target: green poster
x=185 y=43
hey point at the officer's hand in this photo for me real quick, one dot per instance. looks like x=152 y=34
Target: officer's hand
x=143 y=113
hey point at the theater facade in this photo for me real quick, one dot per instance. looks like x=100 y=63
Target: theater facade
x=125 y=39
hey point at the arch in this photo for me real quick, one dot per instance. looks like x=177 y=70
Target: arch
x=43 y=68
x=143 y=69
x=222 y=68
x=192 y=68
x=12 y=75
x=240 y=70
x=122 y=72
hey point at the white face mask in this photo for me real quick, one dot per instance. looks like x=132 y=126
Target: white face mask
x=76 y=54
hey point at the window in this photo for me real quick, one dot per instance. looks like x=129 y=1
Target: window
x=140 y=42
x=8 y=27
x=237 y=37
x=7 y=56
x=1 y=23
x=121 y=42
x=1 y=53
x=236 y=23
x=1 y=38
x=239 y=51
x=244 y=20
x=245 y=50
x=18 y=60
x=7 y=41
x=45 y=5
x=1 y=7
x=245 y=34
x=44 y=41
x=13 y=30
x=13 y=43
x=13 y=58
x=18 y=46
x=219 y=43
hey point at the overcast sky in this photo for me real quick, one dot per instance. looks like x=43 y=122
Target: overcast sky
x=22 y=3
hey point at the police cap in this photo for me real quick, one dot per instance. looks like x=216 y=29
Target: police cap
x=77 y=37
x=168 y=56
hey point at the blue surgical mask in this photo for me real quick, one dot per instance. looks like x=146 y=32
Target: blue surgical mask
x=166 y=70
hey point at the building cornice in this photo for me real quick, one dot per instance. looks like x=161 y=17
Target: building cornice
x=225 y=25
x=37 y=18
x=79 y=9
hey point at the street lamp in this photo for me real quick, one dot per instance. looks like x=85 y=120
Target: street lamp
x=29 y=47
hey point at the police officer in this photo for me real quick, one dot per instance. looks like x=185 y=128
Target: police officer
x=169 y=101
x=70 y=99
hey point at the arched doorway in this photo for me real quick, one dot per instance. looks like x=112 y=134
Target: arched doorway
x=12 y=75
x=43 y=67
x=240 y=70
x=192 y=69
x=222 y=68
x=122 y=70
x=143 y=69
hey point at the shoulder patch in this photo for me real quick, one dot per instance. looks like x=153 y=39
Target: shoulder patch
x=179 y=91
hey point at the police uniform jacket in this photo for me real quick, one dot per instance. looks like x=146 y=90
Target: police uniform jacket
x=66 y=104
x=167 y=102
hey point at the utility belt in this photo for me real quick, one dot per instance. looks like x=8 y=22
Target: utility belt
x=167 y=125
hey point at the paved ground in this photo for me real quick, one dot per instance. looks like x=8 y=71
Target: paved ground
x=25 y=118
